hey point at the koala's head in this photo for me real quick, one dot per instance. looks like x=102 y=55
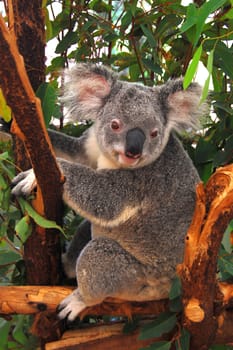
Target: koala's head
x=132 y=122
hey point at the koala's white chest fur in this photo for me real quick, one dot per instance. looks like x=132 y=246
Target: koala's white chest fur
x=97 y=159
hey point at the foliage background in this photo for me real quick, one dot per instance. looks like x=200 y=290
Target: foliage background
x=146 y=41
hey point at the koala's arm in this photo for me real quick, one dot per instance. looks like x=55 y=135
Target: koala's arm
x=70 y=148
x=100 y=195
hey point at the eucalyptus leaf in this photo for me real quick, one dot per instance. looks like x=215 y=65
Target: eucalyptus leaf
x=164 y=323
x=226 y=264
x=39 y=220
x=5 y=111
x=48 y=96
x=69 y=39
x=3 y=183
x=183 y=342
x=4 y=331
x=205 y=10
x=192 y=68
x=191 y=18
x=4 y=156
x=175 y=290
x=151 y=65
x=23 y=228
x=226 y=241
x=205 y=90
x=18 y=331
x=8 y=257
x=149 y=35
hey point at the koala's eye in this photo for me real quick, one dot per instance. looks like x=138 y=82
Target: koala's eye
x=116 y=124
x=154 y=133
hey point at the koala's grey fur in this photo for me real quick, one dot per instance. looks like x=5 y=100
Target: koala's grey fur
x=140 y=202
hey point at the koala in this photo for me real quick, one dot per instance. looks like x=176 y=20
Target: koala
x=130 y=178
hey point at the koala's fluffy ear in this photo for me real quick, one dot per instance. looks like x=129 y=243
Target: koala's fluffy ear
x=86 y=87
x=182 y=107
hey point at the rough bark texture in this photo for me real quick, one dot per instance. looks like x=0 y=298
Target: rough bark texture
x=107 y=337
x=201 y=293
x=43 y=255
x=27 y=22
x=43 y=301
x=33 y=299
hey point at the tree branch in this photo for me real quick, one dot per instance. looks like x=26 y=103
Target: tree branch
x=29 y=126
x=201 y=293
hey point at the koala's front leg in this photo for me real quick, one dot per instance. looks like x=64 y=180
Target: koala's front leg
x=24 y=183
x=99 y=196
x=70 y=148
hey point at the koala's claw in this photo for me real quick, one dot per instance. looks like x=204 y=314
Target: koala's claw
x=70 y=307
x=23 y=183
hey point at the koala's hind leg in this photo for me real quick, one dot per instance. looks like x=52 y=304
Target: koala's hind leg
x=79 y=241
x=105 y=269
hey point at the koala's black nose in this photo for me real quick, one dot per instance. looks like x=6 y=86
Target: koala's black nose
x=135 y=139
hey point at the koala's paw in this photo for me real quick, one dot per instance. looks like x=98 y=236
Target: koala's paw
x=24 y=183
x=70 y=307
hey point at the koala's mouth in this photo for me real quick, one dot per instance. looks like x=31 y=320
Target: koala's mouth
x=126 y=161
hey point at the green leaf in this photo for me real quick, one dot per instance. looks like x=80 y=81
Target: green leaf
x=205 y=151
x=8 y=257
x=210 y=61
x=39 y=220
x=48 y=25
x=164 y=323
x=23 y=228
x=69 y=39
x=4 y=156
x=151 y=65
x=192 y=68
x=183 y=342
x=221 y=347
x=229 y=14
x=205 y=10
x=175 y=290
x=134 y=72
x=205 y=171
x=48 y=96
x=131 y=6
x=223 y=58
x=18 y=332
x=226 y=242
x=9 y=172
x=58 y=62
x=5 y=111
x=160 y=345
x=191 y=18
x=226 y=264
x=167 y=24
x=149 y=35
x=4 y=331
x=126 y=20
x=175 y=303
x=3 y=183
x=205 y=90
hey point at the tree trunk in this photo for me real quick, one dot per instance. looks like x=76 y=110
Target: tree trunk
x=27 y=21
x=42 y=250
